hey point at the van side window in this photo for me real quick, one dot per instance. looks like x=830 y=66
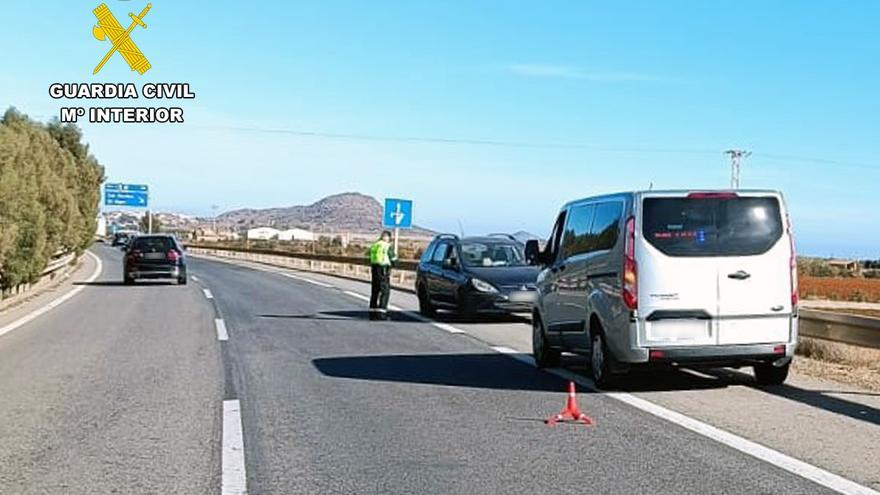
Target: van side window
x=552 y=249
x=606 y=225
x=577 y=238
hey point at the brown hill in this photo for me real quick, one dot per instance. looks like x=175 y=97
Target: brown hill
x=346 y=212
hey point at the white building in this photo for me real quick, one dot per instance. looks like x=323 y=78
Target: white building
x=296 y=235
x=101 y=227
x=263 y=233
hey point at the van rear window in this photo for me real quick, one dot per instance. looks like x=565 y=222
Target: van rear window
x=740 y=226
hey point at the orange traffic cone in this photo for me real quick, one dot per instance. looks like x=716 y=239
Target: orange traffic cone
x=571 y=412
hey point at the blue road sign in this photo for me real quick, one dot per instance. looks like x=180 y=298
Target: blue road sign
x=136 y=195
x=127 y=188
x=398 y=213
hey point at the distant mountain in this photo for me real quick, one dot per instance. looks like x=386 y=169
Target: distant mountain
x=346 y=212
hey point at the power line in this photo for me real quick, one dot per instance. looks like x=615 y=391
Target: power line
x=462 y=141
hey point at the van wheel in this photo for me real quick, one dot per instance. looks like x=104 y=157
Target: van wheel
x=767 y=374
x=425 y=306
x=600 y=361
x=545 y=356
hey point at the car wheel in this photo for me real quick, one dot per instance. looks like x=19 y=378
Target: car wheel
x=600 y=361
x=128 y=280
x=425 y=306
x=767 y=374
x=181 y=280
x=545 y=356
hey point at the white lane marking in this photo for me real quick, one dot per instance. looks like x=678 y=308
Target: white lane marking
x=356 y=295
x=208 y=294
x=315 y=282
x=56 y=302
x=302 y=279
x=194 y=278
x=222 y=334
x=234 y=477
x=748 y=447
x=504 y=350
x=447 y=327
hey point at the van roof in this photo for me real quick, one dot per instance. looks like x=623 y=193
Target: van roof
x=668 y=192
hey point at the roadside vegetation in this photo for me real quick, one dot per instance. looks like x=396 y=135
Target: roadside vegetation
x=49 y=194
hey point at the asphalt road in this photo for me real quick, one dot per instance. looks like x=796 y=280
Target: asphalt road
x=121 y=390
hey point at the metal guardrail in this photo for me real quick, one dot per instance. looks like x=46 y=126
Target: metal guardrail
x=403 y=276
x=58 y=263
x=824 y=325
x=409 y=265
x=836 y=327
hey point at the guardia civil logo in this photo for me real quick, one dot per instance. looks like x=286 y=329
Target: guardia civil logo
x=109 y=29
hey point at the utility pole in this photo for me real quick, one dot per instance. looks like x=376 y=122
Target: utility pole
x=736 y=157
x=214 y=220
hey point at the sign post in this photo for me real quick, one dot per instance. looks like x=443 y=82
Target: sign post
x=134 y=195
x=397 y=215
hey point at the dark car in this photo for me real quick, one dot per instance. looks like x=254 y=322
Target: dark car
x=121 y=239
x=152 y=257
x=475 y=275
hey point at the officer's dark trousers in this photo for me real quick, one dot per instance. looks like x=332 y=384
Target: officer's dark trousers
x=381 y=288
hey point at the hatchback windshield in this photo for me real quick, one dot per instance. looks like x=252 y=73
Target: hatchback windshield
x=712 y=226
x=491 y=254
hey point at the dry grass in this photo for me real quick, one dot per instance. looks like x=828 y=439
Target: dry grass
x=840 y=362
x=839 y=289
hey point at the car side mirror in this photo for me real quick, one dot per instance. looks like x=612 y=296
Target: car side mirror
x=450 y=264
x=533 y=252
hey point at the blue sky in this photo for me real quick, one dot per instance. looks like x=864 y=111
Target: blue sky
x=646 y=92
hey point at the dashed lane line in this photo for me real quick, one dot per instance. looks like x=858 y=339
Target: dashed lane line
x=222 y=334
x=234 y=476
x=208 y=294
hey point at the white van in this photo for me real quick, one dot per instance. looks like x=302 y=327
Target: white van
x=696 y=278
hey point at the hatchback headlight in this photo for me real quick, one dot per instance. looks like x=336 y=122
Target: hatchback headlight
x=483 y=286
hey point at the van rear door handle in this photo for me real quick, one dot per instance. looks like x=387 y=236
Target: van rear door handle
x=739 y=275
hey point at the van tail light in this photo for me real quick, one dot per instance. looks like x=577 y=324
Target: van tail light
x=173 y=255
x=629 y=291
x=792 y=262
x=712 y=195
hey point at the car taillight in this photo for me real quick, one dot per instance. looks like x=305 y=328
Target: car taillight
x=134 y=255
x=173 y=255
x=792 y=262
x=630 y=292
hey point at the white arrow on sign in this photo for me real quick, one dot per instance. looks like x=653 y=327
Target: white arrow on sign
x=398 y=215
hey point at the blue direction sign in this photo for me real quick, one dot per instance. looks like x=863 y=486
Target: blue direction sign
x=398 y=213
x=136 y=195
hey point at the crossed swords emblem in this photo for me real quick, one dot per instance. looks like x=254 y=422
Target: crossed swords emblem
x=109 y=28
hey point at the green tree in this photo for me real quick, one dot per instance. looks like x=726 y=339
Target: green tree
x=49 y=193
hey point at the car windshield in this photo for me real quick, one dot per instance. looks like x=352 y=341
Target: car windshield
x=492 y=254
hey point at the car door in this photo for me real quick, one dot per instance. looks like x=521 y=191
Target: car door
x=576 y=247
x=434 y=272
x=548 y=281
x=754 y=275
x=452 y=277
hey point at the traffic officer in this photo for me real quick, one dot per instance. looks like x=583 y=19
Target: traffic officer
x=382 y=256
